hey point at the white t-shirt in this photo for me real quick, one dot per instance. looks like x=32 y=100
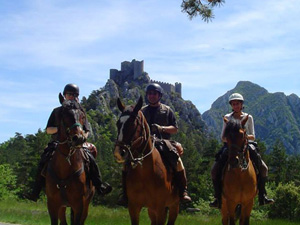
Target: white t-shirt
x=249 y=126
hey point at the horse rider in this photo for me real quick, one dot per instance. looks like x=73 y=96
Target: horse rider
x=71 y=92
x=162 y=121
x=236 y=101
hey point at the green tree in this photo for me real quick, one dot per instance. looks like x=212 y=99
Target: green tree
x=202 y=8
x=278 y=163
x=8 y=180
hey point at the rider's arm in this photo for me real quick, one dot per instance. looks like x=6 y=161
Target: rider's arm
x=169 y=129
x=250 y=128
x=51 y=130
x=222 y=133
x=52 y=125
x=172 y=127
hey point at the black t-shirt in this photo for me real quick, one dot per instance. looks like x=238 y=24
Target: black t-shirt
x=162 y=115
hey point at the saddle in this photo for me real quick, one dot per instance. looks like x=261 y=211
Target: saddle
x=169 y=152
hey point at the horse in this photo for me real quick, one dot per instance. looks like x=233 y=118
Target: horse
x=148 y=182
x=239 y=181
x=66 y=181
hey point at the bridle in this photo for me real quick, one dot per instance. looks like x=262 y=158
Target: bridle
x=69 y=138
x=239 y=153
x=141 y=141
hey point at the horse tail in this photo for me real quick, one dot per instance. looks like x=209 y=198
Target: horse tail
x=238 y=211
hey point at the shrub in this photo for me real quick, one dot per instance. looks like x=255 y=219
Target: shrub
x=287 y=202
x=7 y=182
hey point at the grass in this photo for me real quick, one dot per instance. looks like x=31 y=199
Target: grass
x=28 y=213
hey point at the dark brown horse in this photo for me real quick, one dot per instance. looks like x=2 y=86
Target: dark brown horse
x=148 y=182
x=239 y=183
x=66 y=183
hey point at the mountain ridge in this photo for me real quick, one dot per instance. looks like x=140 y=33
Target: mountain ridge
x=276 y=116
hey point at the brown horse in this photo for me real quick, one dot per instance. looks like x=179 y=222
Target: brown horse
x=66 y=183
x=148 y=183
x=239 y=183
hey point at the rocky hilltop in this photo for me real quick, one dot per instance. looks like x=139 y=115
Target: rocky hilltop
x=276 y=116
x=129 y=84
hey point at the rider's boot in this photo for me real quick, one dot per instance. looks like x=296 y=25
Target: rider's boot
x=123 y=199
x=102 y=188
x=262 y=193
x=217 y=194
x=181 y=181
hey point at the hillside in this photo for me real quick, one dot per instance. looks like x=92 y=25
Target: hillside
x=276 y=116
x=129 y=85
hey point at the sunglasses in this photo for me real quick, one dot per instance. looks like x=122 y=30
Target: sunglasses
x=72 y=94
x=152 y=93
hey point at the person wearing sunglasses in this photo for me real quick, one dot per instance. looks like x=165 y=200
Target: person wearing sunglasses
x=71 y=92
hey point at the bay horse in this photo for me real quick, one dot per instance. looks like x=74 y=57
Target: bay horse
x=66 y=181
x=239 y=182
x=148 y=182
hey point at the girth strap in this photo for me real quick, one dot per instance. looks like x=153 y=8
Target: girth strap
x=61 y=184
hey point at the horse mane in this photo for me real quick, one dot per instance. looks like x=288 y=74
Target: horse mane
x=71 y=104
x=232 y=128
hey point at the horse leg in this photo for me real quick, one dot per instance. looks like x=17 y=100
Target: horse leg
x=77 y=214
x=152 y=216
x=53 y=212
x=134 y=212
x=62 y=216
x=231 y=213
x=245 y=214
x=84 y=212
x=173 y=213
x=72 y=217
x=161 y=217
x=224 y=212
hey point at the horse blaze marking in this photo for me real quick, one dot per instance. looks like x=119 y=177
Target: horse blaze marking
x=123 y=119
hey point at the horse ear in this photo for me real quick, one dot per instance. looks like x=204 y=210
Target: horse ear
x=138 y=105
x=61 y=98
x=225 y=119
x=120 y=104
x=244 y=120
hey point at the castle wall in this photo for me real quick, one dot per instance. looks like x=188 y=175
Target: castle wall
x=169 y=87
x=135 y=69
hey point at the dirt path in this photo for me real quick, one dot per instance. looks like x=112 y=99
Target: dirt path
x=8 y=224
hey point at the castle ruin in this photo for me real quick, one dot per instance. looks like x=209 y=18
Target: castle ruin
x=134 y=70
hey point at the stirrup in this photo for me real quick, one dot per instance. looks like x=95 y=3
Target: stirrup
x=185 y=198
x=104 y=189
x=265 y=201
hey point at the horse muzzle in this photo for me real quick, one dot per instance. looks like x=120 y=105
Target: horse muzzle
x=78 y=139
x=120 y=154
x=234 y=162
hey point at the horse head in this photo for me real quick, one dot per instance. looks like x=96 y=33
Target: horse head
x=236 y=140
x=132 y=132
x=72 y=119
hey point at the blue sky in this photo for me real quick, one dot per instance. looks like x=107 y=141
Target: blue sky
x=45 y=44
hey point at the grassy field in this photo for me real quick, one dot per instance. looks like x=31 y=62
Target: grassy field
x=28 y=213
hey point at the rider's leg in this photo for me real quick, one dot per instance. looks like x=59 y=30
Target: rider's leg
x=263 y=176
x=102 y=188
x=39 y=179
x=181 y=181
x=216 y=176
x=123 y=199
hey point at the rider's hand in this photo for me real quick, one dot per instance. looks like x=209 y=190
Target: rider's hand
x=155 y=127
x=80 y=140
